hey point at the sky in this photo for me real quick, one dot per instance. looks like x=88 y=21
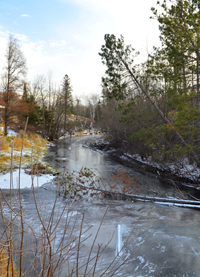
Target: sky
x=65 y=36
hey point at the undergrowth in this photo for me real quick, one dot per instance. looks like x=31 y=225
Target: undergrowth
x=34 y=145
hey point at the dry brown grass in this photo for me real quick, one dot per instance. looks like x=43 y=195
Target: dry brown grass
x=33 y=136
x=5 y=145
x=36 y=139
x=18 y=143
x=4 y=265
x=78 y=134
x=31 y=140
x=40 y=143
x=4 y=159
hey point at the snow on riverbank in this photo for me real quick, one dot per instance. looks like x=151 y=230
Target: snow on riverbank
x=182 y=169
x=25 y=180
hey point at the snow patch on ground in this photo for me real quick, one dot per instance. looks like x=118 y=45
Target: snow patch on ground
x=25 y=152
x=50 y=144
x=25 y=180
x=12 y=133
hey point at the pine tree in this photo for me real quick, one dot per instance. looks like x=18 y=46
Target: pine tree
x=179 y=26
x=119 y=61
x=67 y=97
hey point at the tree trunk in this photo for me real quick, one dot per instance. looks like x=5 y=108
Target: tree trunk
x=65 y=123
x=160 y=200
x=197 y=75
x=6 y=121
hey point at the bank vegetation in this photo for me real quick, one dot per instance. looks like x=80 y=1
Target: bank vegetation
x=152 y=109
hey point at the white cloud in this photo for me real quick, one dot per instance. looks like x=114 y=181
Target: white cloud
x=3 y=32
x=123 y=10
x=21 y=38
x=75 y=52
x=25 y=15
x=58 y=43
x=130 y=18
x=84 y=69
x=99 y=5
x=3 y=43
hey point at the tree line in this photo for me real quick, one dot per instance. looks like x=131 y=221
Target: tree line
x=150 y=109
x=154 y=107
x=47 y=105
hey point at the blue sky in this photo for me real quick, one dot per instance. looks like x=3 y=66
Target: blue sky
x=65 y=36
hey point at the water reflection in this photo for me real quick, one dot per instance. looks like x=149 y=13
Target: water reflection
x=74 y=156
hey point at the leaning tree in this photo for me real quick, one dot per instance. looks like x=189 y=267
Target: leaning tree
x=119 y=61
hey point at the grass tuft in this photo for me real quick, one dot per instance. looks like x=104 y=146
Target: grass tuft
x=18 y=143
x=4 y=271
x=5 y=145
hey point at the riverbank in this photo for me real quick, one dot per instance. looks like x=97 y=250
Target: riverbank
x=31 y=159
x=184 y=173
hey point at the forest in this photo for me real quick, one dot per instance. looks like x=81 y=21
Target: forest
x=149 y=109
x=153 y=107
x=51 y=109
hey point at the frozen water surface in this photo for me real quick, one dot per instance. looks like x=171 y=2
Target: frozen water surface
x=164 y=240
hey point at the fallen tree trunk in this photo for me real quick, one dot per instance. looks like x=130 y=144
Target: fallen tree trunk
x=159 y=200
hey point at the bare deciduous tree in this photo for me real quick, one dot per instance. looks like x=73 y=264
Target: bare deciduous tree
x=92 y=102
x=14 y=71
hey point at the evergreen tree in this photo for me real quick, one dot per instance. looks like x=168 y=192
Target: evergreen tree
x=67 y=97
x=179 y=26
x=119 y=62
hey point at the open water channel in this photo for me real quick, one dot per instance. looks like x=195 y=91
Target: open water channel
x=166 y=239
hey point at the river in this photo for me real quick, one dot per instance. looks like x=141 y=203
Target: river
x=163 y=240
x=166 y=239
